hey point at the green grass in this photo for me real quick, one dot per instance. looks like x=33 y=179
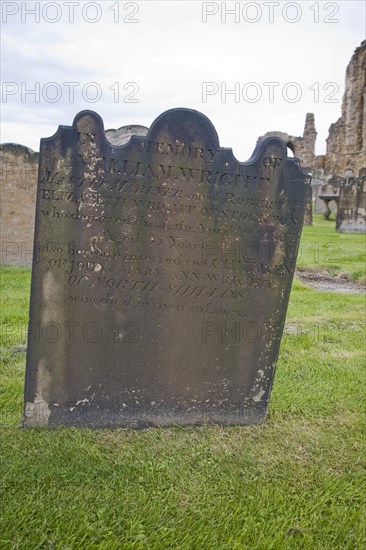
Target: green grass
x=338 y=253
x=293 y=482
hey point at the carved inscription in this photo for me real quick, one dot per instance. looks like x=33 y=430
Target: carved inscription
x=172 y=236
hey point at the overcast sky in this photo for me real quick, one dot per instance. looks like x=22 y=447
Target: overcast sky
x=130 y=61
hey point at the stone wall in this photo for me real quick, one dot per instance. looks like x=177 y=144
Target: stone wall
x=303 y=146
x=18 y=187
x=346 y=142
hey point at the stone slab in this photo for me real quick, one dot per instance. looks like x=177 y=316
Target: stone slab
x=351 y=214
x=161 y=277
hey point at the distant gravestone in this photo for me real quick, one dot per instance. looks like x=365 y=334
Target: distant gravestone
x=162 y=276
x=351 y=214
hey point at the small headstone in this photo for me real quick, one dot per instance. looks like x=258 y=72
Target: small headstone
x=162 y=275
x=351 y=214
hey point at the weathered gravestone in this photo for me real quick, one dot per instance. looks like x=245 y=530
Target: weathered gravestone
x=351 y=213
x=162 y=275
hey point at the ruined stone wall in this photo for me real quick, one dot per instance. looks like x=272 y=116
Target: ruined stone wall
x=18 y=187
x=303 y=146
x=346 y=142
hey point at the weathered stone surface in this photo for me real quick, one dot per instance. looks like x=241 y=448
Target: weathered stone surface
x=18 y=186
x=346 y=142
x=162 y=275
x=351 y=214
x=303 y=146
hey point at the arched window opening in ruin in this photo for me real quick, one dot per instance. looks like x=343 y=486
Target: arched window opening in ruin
x=290 y=149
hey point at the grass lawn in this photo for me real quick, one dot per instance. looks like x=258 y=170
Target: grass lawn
x=338 y=253
x=293 y=482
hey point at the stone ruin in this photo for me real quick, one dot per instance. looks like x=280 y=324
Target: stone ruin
x=18 y=185
x=346 y=143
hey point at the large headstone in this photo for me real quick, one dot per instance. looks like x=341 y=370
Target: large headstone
x=18 y=187
x=162 y=275
x=351 y=214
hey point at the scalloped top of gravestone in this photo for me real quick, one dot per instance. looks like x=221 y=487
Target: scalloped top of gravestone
x=162 y=275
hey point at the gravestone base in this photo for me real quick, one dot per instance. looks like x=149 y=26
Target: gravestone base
x=189 y=414
x=352 y=227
